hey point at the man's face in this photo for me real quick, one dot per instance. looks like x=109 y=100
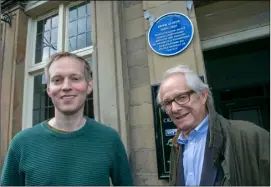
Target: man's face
x=186 y=116
x=67 y=85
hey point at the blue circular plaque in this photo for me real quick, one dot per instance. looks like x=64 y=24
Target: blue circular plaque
x=170 y=34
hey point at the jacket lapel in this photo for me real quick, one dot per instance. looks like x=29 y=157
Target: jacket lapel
x=209 y=172
x=180 y=171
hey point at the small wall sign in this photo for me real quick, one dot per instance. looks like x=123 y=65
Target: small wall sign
x=170 y=34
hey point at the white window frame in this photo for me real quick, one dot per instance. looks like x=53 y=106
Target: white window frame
x=32 y=69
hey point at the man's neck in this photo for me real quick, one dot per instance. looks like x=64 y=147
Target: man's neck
x=68 y=123
x=186 y=133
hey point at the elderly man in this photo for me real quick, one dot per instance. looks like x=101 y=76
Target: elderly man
x=209 y=149
x=69 y=149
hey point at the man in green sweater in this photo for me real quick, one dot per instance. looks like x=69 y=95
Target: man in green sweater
x=69 y=149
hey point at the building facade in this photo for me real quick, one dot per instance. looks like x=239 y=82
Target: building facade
x=229 y=49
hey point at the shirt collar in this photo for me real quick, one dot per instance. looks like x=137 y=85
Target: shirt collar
x=200 y=129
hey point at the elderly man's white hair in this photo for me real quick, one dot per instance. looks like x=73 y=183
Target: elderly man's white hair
x=192 y=80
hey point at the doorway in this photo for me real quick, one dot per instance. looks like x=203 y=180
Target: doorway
x=239 y=78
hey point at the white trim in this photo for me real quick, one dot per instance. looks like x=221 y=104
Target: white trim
x=37 y=68
x=27 y=99
x=61 y=28
x=235 y=38
x=66 y=44
x=33 y=48
x=74 y=3
x=84 y=52
x=53 y=12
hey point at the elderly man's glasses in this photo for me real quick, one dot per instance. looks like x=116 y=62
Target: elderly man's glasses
x=180 y=99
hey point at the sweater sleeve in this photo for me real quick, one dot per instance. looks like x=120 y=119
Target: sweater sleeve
x=10 y=172
x=121 y=174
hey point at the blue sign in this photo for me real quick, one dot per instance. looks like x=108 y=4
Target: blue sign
x=170 y=34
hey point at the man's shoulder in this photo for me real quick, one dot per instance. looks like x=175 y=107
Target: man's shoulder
x=101 y=128
x=244 y=128
x=27 y=134
x=247 y=126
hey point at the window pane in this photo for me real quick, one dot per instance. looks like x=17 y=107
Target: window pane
x=42 y=108
x=55 y=22
x=43 y=99
x=81 y=41
x=88 y=109
x=90 y=64
x=54 y=36
x=36 y=100
x=72 y=44
x=46 y=38
x=38 y=55
x=40 y=26
x=81 y=25
x=53 y=49
x=72 y=14
x=72 y=28
x=37 y=83
x=42 y=115
x=88 y=8
x=39 y=41
x=89 y=42
x=45 y=54
x=81 y=11
x=88 y=23
x=36 y=117
x=47 y=24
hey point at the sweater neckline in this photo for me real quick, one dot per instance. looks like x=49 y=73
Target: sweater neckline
x=65 y=134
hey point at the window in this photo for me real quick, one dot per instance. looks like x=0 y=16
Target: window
x=70 y=20
x=79 y=27
x=46 y=39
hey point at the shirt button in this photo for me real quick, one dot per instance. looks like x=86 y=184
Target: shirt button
x=191 y=173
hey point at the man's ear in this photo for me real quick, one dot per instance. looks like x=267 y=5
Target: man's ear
x=90 y=87
x=204 y=96
x=48 y=90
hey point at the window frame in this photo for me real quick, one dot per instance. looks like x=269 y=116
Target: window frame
x=32 y=69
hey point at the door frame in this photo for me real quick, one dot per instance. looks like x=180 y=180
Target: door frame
x=235 y=38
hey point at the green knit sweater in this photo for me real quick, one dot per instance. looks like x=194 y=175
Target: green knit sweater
x=40 y=156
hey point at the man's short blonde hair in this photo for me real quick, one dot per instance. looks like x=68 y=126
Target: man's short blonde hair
x=59 y=55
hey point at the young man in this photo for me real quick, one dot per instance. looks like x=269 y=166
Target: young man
x=69 y=149
x=209 y=149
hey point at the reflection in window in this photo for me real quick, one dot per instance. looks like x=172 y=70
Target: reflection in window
x=43 y=107
x=46 y=39
x=79 y=26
